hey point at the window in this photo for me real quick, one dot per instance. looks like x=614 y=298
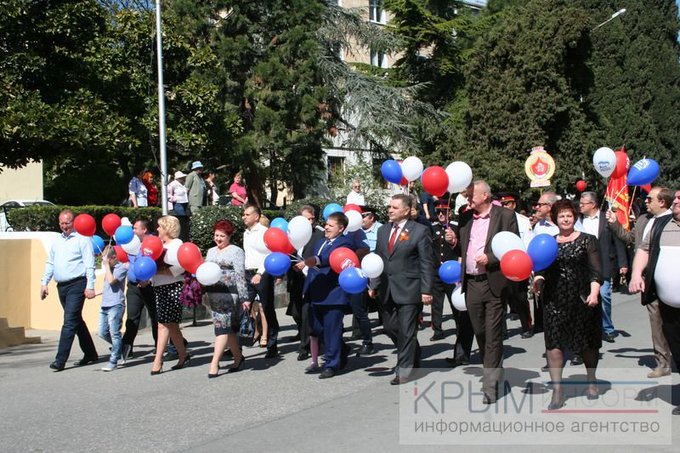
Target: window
x=378 y=59
x=376 y=13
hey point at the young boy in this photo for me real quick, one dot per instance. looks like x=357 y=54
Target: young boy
x=113 y=305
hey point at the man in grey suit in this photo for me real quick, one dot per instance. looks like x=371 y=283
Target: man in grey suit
x=483 y=281
x=195 y=187
x=406 y=282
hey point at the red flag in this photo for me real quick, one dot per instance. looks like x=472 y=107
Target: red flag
x=617 y=195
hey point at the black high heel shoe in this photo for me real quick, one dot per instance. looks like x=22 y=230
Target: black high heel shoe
x=556 y=404
x=213 y=375
x=158 y=371
x=183 y=363
x=235 y=368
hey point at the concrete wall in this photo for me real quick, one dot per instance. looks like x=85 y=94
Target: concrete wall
x=22 y=262
x=22 y=184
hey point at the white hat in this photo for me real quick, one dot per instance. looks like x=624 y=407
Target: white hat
x=179 y=174
x=196 y=165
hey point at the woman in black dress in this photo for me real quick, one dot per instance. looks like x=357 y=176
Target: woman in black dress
x=571 y=287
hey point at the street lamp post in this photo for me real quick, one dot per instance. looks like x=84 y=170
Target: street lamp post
x=613 y=16
x=161 y=111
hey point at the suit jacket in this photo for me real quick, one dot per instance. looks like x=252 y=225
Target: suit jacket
x=195 y=189
x=612 y=249
x=409 y=269
x=500 y=219
x=634 y=236
x=321 y=285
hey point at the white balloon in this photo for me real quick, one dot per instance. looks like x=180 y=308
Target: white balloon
x=171 y=252
x=458 y=299
x=125 y=221
x=132 y=247
x=665 y=277
x=354 y=218
x=460 y=176
x=372 y=265
x=604 y=161
x=412 y=168
x=299 y=231
x=208 y=273
x=504 y=241
x=258 y=243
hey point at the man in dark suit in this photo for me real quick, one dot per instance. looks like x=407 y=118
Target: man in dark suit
x=297 y=307
x=593 y=221
x=327 y=299
x=406 y=282
x=483 y=281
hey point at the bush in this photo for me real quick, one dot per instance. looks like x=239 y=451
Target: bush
x=46 y=218
x=202 y=225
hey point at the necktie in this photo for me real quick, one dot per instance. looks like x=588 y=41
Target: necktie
x=393 y=238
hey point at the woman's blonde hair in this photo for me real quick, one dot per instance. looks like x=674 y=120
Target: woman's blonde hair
x=171 y=225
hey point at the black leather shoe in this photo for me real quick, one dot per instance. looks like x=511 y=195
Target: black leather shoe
x=609 y=337
x=398 y=380
x=327 y=373
x=437 y=336
x=366 y=349
x=676 y=411
x=56 y=367
x=271 y=354
x=85 y=361
x=182 y=364
x=576 y=360
x=457 y=361
x=344 y=355
x=527 y=334
x=236 y=368
x=304 y=355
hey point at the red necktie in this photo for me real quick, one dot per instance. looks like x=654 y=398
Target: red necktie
x=393 y=239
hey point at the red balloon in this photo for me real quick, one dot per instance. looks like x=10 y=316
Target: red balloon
x=435 y=181
x=647 y=188
x=109 y=223
x=516 y=265
x=581 y=185
x=404 y=181
x=351 y=207
x=277 y=240
x=622 y=164
x=152 y=246
x=342 y=258
x=85 y=225
x=120 y=253
x=189 y=256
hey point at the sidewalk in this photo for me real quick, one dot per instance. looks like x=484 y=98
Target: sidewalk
x=270 y=406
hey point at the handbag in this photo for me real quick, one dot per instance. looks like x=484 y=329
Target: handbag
x=192 y=292
x=246 y=332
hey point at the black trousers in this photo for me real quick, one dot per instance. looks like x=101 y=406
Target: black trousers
x=464 y=333
x=72 y=298
x=360 y=323
x=265 y=292
x=298 y=308
x=670 y=318
x=137 y=299
x=400 y=323
x=515 y=296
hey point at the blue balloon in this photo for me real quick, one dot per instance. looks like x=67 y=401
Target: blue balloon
x=391 y=171
x=280 y=223
x=450 y=272
x=124 y=234
x=542 y=250
x=330 y=209
x=98 y=244
x=352 y=280
x=644 y=171
x=145 y=268
x=277 y=263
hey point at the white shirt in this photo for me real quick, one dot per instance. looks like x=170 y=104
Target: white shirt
x=176 y=272
x=524 y=226
x=590 y=225
x=177 y=193
x=355 y=198
x=649 y=225
x=254 y=257
x=545 y=226
x=137 y=188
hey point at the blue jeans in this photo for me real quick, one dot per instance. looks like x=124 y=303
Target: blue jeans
x=606 y=295
x=110 y=321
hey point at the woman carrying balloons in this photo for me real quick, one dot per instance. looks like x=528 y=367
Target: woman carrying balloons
x=227 y=295
x=570 y=287
x=167 y=286
x=328 y=300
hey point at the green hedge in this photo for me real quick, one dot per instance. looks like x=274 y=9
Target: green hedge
x=46 y=218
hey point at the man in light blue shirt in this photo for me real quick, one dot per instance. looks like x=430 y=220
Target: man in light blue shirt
x=71 y=263
x=370 y=226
